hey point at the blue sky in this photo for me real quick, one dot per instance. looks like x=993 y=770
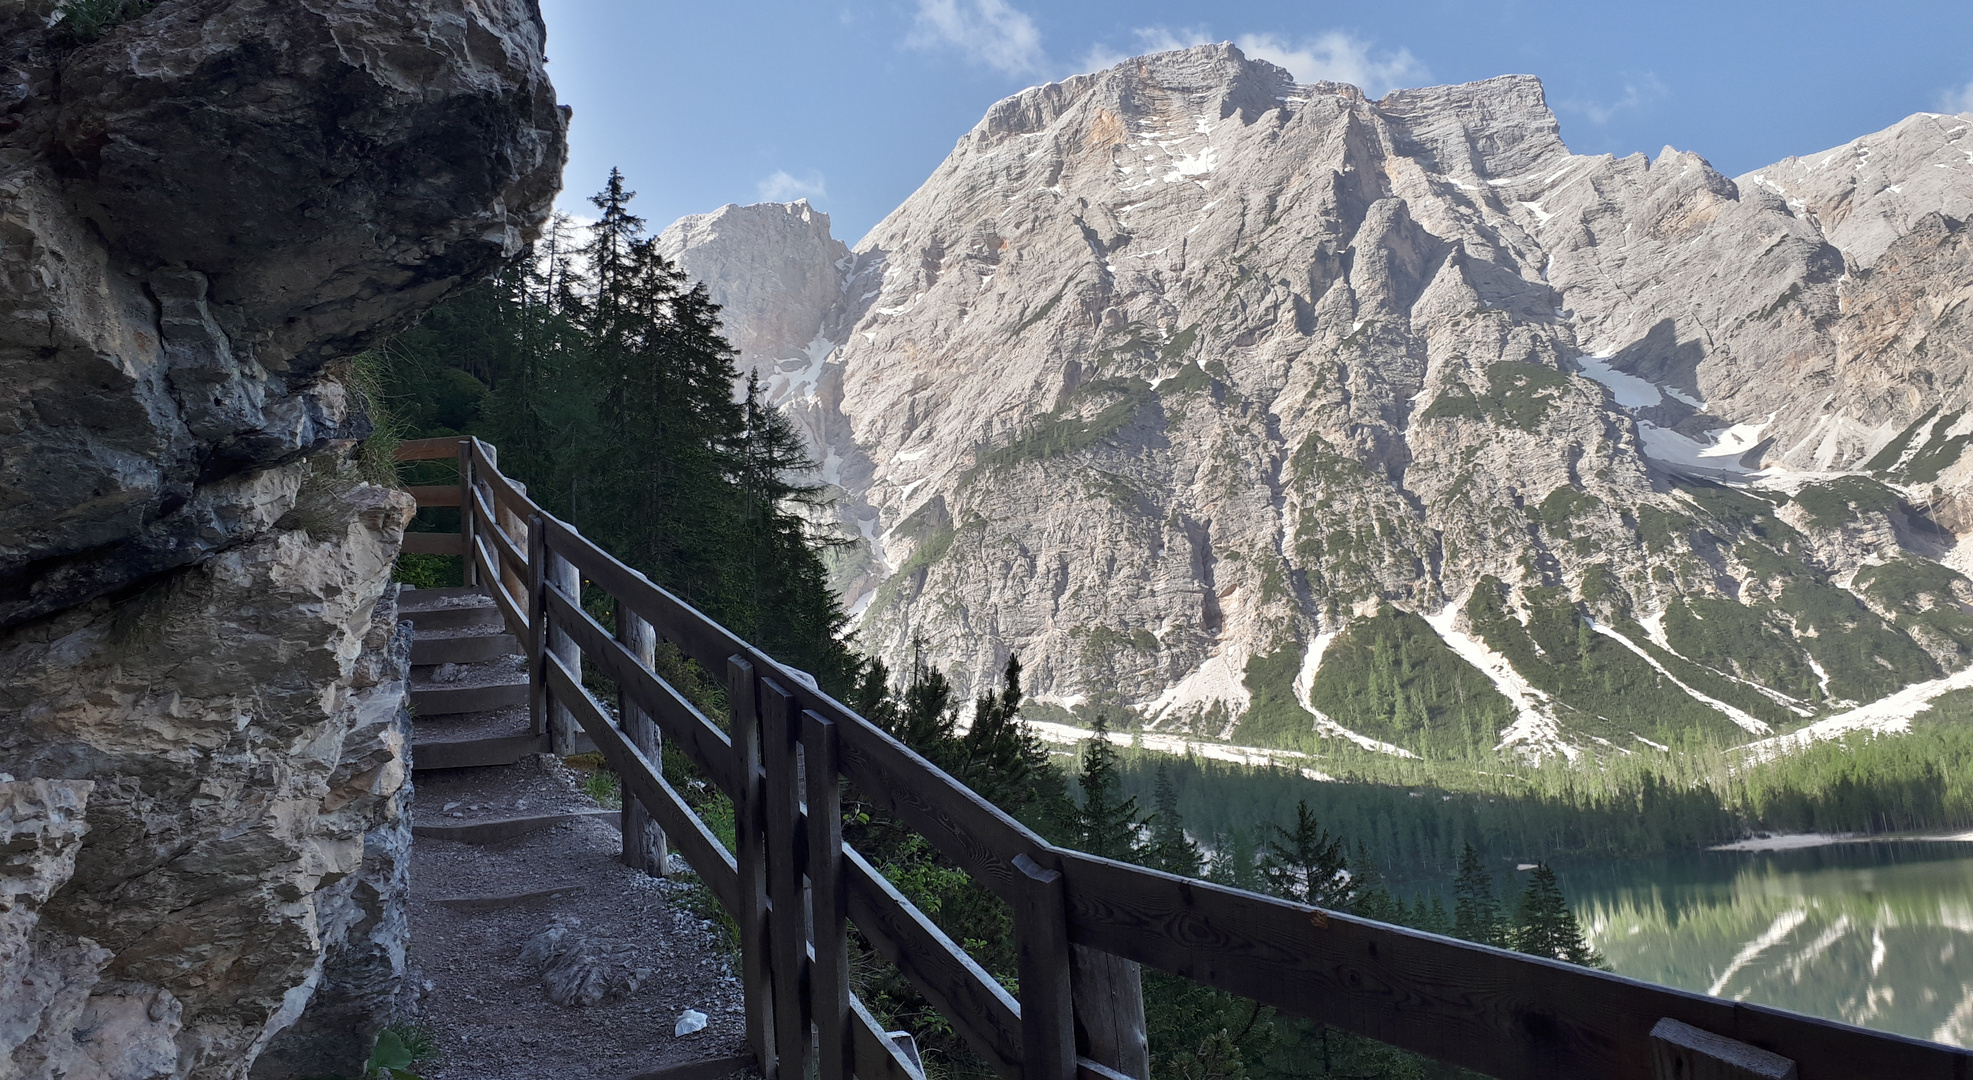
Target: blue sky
x=853 y=104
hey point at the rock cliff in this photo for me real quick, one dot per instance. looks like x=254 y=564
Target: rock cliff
x=1286 y=416
x=206 y=212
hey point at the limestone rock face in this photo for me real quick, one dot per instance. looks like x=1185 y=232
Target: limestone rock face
x=203 y=211
x=204 y=215
x=1209 y=394
x=777 y=309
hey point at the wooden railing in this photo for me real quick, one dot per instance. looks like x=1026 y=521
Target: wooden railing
x=1080 y=922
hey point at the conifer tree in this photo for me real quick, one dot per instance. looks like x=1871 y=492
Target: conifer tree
x=600 y=373
x=1106 y=823
x=1544 y=925
x=1476 y=912
x=1430 y=916
x=1005 y=760
x=1218 y=1058
x=1235 y=861
x=1304 y=863
x=1169 y=849
x=926 y=713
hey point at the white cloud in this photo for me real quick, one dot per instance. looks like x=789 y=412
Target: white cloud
x=786 y=187
x=1150 y=39
x=1958 y=100
x=1337 y=57
x=1637 y=93
x=986 y=32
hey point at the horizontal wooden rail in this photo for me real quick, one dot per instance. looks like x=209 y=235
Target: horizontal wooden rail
x=433 y=543
x=1505 y=1014
x=426 y=449
x=435 y=494
x=679 y=720
x=487 y=525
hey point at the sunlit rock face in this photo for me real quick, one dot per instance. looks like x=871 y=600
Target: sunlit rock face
x=204 y=215
x=1290 y=417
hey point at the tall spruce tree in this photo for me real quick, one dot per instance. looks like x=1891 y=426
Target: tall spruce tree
x=1476 y=912
x=1106 y=822
x=1304 y=863
x=1005 y=760
x=1235 y=861
x=1168 y=848
x=1544 y=925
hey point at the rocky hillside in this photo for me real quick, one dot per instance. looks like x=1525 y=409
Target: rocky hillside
x=206 y=211
x=1281 y=415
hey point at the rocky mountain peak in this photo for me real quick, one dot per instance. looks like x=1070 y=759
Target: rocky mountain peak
x=1178 y=376
x=776 y=310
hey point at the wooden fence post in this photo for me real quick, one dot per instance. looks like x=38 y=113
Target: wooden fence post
x=644 y=846
x=537 y=638
x=829 y=900
x=1680 y=1051
x=782 y=808
x=469 y=566
x=1109 y=1007
x=517 y=531
x=750 y=857
x=563 y=575
x=1041 y=952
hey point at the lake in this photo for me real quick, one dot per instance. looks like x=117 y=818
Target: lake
x=1878 y=934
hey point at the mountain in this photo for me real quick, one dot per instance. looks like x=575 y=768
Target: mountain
x=1278 y=415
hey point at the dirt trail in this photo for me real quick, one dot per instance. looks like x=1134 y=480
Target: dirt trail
x=475 y=906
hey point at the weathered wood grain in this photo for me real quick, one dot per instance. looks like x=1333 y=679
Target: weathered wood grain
x=1504 y=1014
x=828 y=901
x=1041 y=952
x=433 y=543
x=561 y=578
x=537 y=619
x=781 y=809
x=1683 y=1052
x=750 y=849
x=468 y=541
x=643 y=841
x=1109 y=997
x=434 y=494
x=877 y=1057
x=486 y=525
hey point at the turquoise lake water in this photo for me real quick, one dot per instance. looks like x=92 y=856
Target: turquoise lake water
x=1877 y=934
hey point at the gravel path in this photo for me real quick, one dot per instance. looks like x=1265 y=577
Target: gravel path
x=475 y=907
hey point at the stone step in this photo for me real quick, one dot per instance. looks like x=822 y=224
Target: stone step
x=415 y=598
x=451 y=618
x=428 y=699
x=507 y=900
x=430 y=754
x=497 y=829
x=427 y=650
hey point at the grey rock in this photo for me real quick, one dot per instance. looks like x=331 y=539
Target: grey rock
x=209 y=212
x=579 y=969
x=211 y=209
